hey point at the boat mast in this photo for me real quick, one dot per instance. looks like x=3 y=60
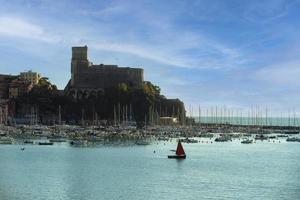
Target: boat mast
x=36 y=115
x=289 y=118
x=126 y=115
x=82 y=116
x=96 y=119
x=294 y=124
x=130 y=113
x=199 y=115
x=115 y=116
x=119 y=113
x=59 y=115
x=266 y=116
x=31 y=116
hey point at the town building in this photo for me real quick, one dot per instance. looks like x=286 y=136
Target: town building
x=12 y=86
x=19 y=87
x=30 y=76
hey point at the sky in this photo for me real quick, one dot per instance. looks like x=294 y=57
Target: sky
x=232 y=53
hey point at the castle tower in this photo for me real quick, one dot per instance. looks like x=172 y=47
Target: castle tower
x=79 y=53
x=78 y=64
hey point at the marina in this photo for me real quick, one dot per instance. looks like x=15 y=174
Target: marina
x=84 y=135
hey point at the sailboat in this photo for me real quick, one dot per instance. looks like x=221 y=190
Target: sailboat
x=180 y=154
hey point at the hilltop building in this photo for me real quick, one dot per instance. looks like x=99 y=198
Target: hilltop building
x=12 y=86
x=87 y=77
x=30 y=76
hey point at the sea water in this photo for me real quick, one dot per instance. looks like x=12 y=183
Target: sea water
x=271 y=121
x=231 y=170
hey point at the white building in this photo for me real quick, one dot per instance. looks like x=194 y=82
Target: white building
x=30 y=76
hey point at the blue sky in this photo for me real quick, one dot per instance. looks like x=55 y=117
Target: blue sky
x=209 y=53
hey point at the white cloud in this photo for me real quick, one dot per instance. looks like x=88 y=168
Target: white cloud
x=287 y=74
x=168 y=50
x=147 y=53
x=165 y=48
x=16 y=27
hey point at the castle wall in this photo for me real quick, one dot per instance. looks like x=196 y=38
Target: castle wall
x=85 y=75
x=104 y=77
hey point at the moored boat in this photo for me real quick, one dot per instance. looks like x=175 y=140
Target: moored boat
x=293 y=139
x=222 y=139
x=292 y=132
x=78 y=142
x=247 y=141
x=261 y=137
x=45 y=143
x=282 y=135
x=162 y=138
x=188 y=140
x=142 y=142
x=28 y=142
x=206 y=135
x=6 y=140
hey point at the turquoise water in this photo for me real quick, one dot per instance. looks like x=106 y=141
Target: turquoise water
x=271 y=121
x=211 y=171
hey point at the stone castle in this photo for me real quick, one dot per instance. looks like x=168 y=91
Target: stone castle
x=87 y=78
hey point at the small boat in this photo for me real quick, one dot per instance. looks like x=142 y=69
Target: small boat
x=261 y=137
x=206 y=135
x=78 y=142
x=293 y=139
x=142 y=142
x=162 y=138
x=188 y=140
x=6 y=140
x=223 y=139
x=28 y=142
x=45 y=143
x=272 y=137
x=180 y=154
x=247 y=141
x=282 y=135
x=292 y=132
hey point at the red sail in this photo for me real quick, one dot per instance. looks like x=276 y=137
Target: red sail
x=179 y=150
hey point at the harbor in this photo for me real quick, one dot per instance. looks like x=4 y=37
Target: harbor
x=85 y=135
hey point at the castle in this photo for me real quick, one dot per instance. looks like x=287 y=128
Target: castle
x=87 y=78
